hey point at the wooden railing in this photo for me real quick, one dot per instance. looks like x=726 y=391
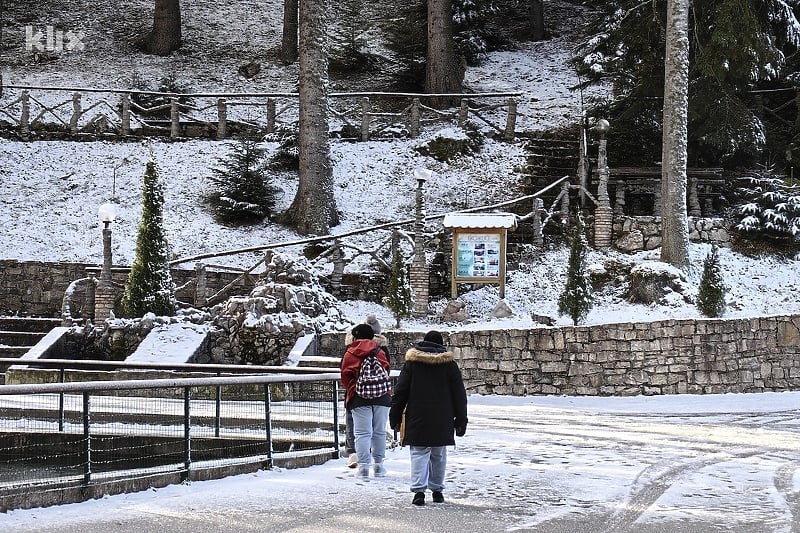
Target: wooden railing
x=32 y=112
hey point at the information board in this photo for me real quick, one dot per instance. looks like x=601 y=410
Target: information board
x=478 y=255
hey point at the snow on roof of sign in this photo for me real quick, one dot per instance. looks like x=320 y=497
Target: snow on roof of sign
x=480 y=220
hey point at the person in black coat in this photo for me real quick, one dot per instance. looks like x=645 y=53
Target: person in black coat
x=431 y=392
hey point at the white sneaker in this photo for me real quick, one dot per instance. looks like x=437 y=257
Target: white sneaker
x=363 y=471
x=352 y=461
x=380 y=470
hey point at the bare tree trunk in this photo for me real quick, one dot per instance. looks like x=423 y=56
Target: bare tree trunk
x=166 y=35
x=443 y=72
x=313 y=210
x=674 y=226
x=536 y=15
x=289 y=42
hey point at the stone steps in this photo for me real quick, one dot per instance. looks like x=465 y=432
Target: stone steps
x=19 y=334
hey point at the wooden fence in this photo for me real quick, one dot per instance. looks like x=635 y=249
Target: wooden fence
x=34 y=112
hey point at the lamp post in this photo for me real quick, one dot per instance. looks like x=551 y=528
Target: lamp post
x=105 y=293
x=604 y=215
x=419 y=266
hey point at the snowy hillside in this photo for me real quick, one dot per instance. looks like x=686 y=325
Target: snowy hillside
x=49 y=212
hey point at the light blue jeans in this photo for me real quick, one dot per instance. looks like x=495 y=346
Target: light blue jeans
x=427 y=468
x=369 y=428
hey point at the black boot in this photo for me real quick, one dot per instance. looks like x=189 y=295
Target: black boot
x=419 y=498
x=437 y=497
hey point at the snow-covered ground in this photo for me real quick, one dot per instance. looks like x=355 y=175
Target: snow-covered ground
x=552 y=464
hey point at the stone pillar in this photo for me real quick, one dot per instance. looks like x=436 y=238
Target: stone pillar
x=603 y=215
x=105 y=294
x=420 y=274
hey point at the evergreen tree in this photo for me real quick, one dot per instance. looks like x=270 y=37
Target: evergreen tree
x=768 y=208
x=348 y=37
x=399 y=298
x=150 y=287
x=736 y=46
x=576 y=299
x=712 y=289
x=243 y=194
x=407 y=37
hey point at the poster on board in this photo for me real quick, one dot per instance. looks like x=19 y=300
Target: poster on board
x=478 y=255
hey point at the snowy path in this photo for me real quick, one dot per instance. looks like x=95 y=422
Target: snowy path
x=550 y=464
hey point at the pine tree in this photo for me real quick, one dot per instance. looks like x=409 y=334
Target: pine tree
x=399 y=298
x=348 y=37
x=712 y=289
x=243 y=194
x=576 y=299
x=150 y=287
x=736 y=47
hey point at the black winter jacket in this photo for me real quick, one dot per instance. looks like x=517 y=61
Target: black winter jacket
x=431 y=391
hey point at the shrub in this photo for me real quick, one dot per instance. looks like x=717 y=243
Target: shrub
x=712 y=289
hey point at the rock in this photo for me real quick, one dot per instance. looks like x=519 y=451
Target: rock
x=502 y=310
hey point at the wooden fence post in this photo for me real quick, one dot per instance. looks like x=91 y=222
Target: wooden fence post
x=463 y=113
x=76 y=113
x=365 y=116
x=415 y=116
x=565 y=201
x=125 y=104
x=270 y=115
x=174 y=130
x=200 y=299
x=511 y=122
x=222 y=114
x=25 y=117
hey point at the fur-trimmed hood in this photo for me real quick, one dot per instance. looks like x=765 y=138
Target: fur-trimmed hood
x=431 y=358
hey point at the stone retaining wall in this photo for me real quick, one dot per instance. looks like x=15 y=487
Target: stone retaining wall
x=35 y=288
x=694 y=356
x=632 y=234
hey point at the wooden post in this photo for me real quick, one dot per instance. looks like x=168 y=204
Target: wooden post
x=565 y=200
x=365 y=116
x=463 y=113
x=511 y=122
x=25 y=117
x=200 y=299
x=619 y=198
x=270 y=115
x=337 y=258
x=174 y=116
x=76 y=113
x=538 y=237
x=415 y=116
x=693 y=200
x=222 y=114
x=125 y=104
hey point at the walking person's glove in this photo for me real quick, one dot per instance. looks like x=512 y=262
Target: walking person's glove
x=460 y=430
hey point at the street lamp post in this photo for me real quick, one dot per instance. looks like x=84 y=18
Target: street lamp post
x=603 y=215
x=105 y=295
x=419 y=266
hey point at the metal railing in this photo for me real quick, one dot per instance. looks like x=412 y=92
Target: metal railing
x=80 y=439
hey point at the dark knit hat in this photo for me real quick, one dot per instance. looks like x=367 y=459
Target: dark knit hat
x=363 y=331
x=435 y=337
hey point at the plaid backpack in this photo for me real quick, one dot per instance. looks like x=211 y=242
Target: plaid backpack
x=373 y=380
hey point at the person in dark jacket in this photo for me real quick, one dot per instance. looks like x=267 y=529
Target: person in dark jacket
x=431 y=392
x=369 y=415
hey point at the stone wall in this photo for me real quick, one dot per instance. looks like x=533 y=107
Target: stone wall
x=694 y=356
x=632 y=234
x=35 y=288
